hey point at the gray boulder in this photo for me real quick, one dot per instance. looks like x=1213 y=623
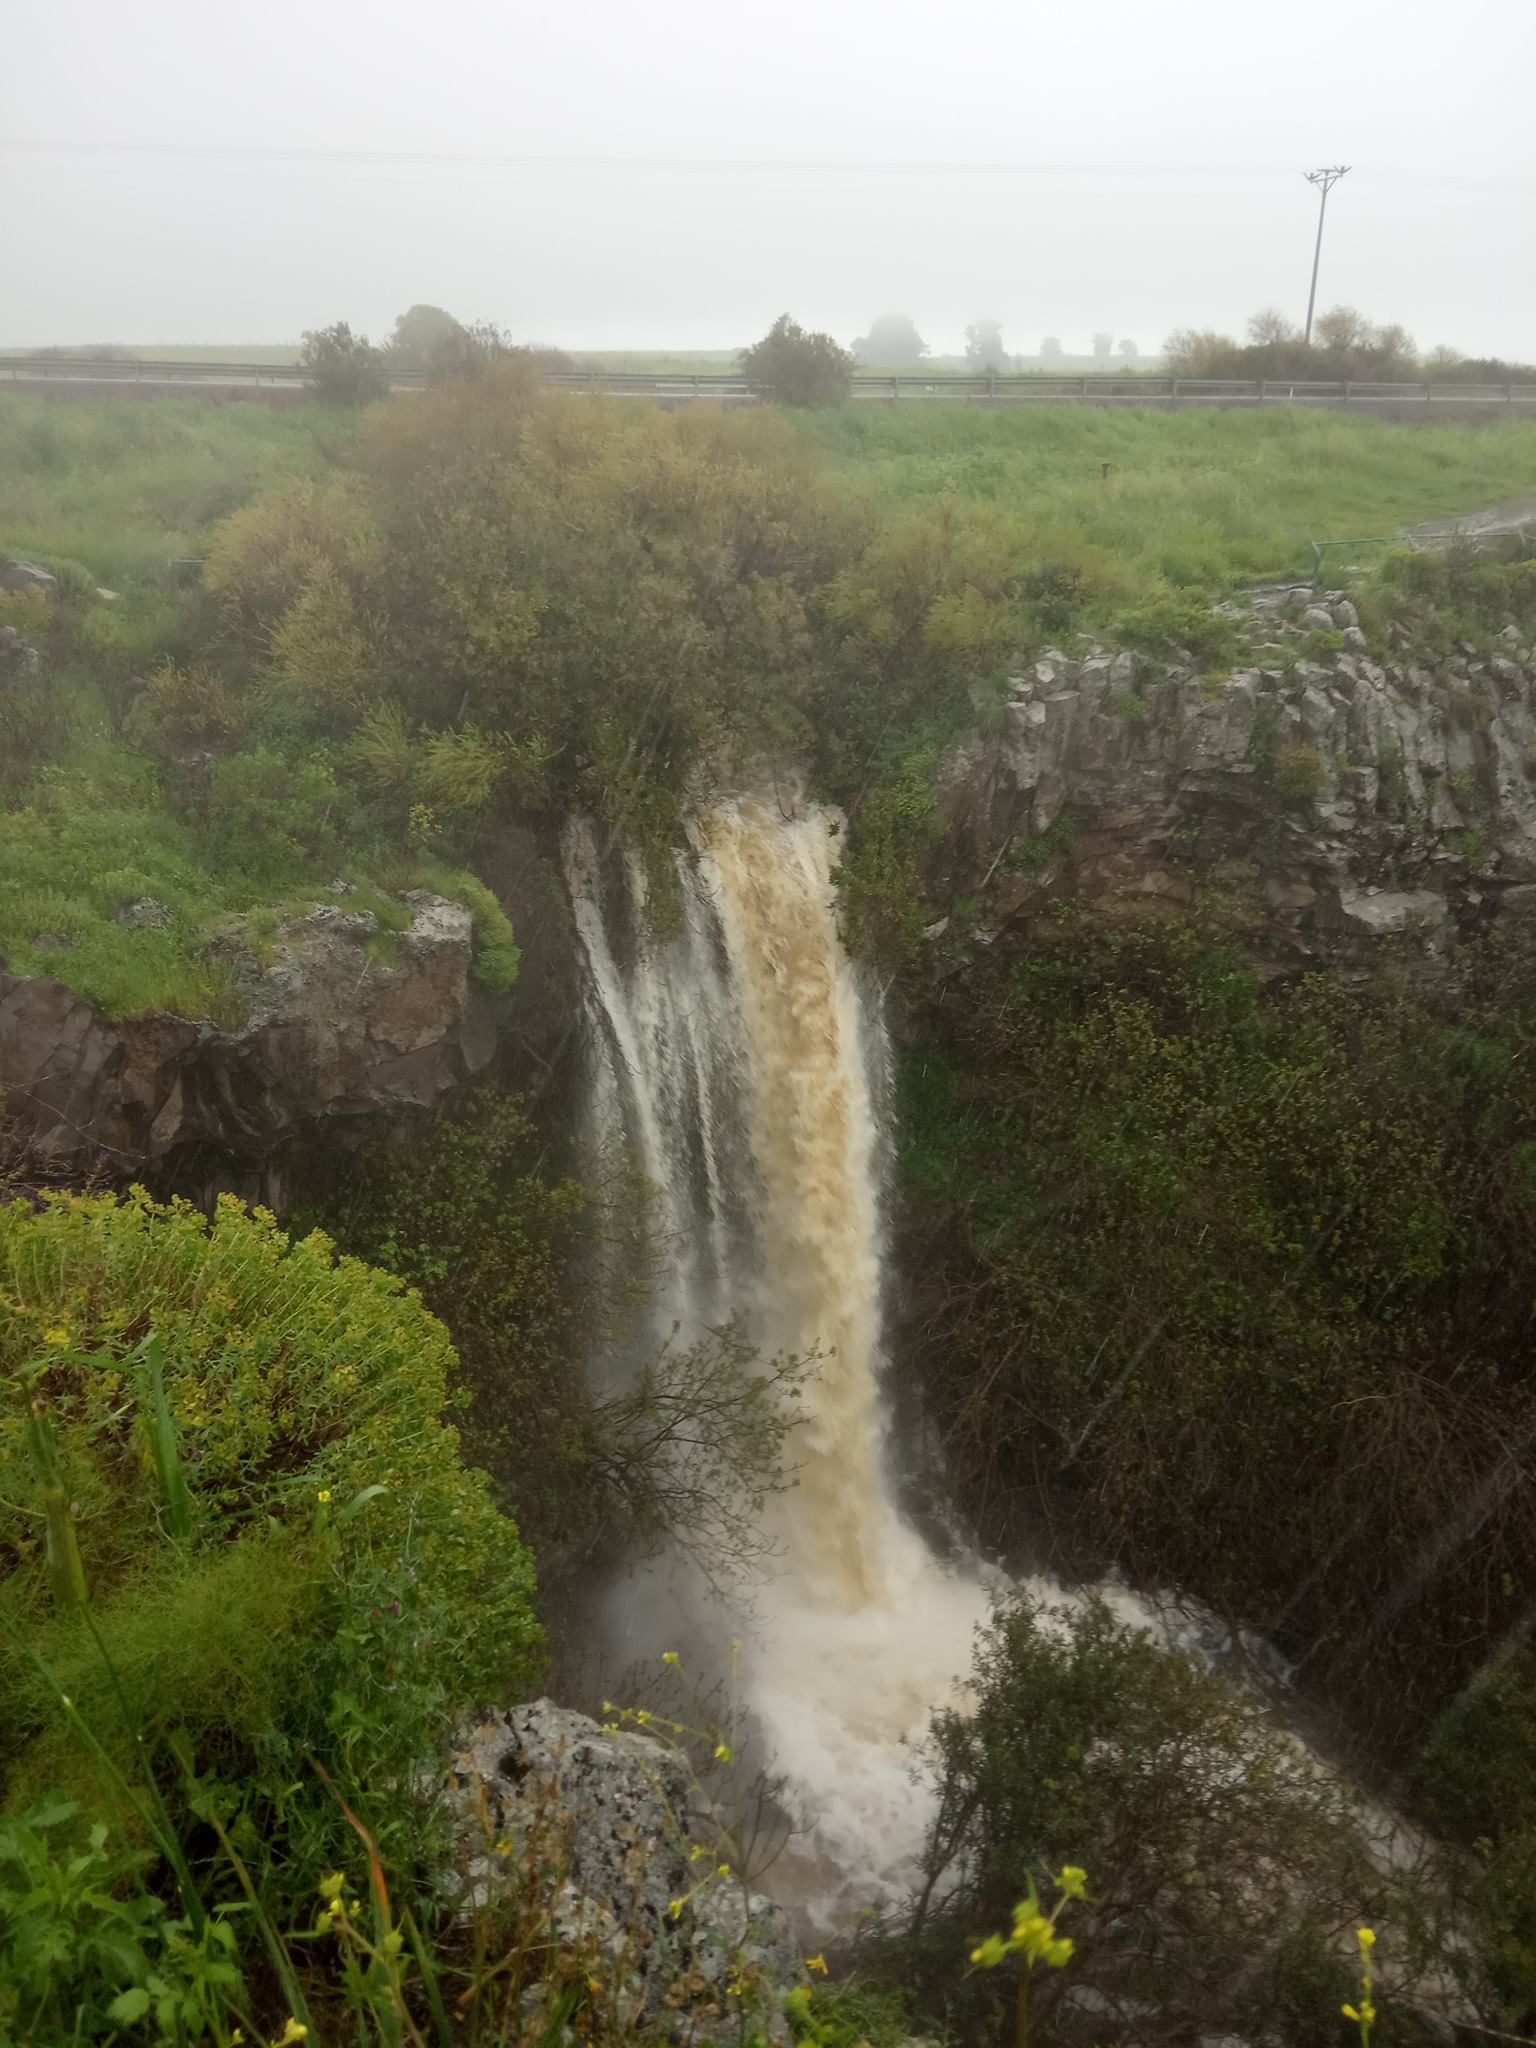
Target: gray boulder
x=145 y=913
x=618 y=1818
x=19 y=659
x=28 y=576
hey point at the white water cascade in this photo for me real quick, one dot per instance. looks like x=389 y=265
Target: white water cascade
x=743 y=1062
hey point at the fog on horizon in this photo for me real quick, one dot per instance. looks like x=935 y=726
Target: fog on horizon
x=675 y=176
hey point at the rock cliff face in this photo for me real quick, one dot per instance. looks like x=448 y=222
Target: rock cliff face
x=1329 y=796
x=333 y=1034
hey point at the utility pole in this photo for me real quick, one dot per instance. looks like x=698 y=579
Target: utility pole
x=1325 y=180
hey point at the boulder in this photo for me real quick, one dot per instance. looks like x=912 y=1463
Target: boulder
x=27 y=576
x=619 y=1819
x=145 y=913
x=19 y=659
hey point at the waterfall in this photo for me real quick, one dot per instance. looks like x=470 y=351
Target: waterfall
x=742 y=1059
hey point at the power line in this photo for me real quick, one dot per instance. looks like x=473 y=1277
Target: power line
x=478 y=159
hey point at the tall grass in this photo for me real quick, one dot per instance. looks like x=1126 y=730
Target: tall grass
x=125 y=486
x=1209 y=499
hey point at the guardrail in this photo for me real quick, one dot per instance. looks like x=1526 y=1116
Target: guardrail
x=901 y=387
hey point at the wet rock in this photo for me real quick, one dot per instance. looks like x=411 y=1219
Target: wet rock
x=146 y=913
x=1342 y=789
x=622 y=1817
x=332 y=1034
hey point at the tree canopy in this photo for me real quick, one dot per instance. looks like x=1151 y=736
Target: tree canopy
x=893 y=339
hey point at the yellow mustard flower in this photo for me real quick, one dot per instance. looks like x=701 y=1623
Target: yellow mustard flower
x=817 y=1963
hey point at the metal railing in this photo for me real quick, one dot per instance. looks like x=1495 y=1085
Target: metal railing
x=1022 y=389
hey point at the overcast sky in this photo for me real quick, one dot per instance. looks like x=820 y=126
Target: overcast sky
x=1126 y=166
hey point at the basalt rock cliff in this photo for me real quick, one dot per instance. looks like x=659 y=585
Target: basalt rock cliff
x=1325 y=798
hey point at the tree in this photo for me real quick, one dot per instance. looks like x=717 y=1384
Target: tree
x=1203 y=353
x=1051 y=348
x=1129 y=350
x=984 y=345
x=796 y=367
x=1221 y=1860
x=419 y=332
x=1341 y=330
x=343 y=368
x=893 y=339
x=1269 y=326
x=1102 y=344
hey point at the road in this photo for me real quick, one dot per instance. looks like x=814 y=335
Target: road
x=280 y=384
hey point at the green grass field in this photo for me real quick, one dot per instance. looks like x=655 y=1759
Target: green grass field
x=1208 y=499
x=122 y=486
x=1202 y=498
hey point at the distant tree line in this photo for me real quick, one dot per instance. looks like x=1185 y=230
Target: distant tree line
x=348 y=369
x=1344 y=344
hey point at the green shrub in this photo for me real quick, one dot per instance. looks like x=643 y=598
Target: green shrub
x=1231 y=1224
x=1217 y=1854
x=795 y=367
x=1172 y=622
x=343 y=368
x=1300 y=773
x=347 y=1582
x=90 y=1954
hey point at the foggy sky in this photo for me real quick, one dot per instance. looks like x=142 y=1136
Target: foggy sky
x=1062 y=168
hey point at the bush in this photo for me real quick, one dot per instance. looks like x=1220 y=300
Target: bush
x=798 y=368
x=343 y=368
x=1233 y=1225
x=1176 y=622
x=1299 y=773
x=324 y=1576
x=1224 y=1864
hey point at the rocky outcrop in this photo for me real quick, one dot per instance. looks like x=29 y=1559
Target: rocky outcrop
x=19 y=659
x=618 y=1821
x=1325 y=795
x=16 y=575
x=335 y=1030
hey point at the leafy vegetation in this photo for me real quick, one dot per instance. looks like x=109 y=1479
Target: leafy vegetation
x=1246 y=1279
x=1222 y=1871
x=281 y=1581
x=794 y=367
x=343 y=368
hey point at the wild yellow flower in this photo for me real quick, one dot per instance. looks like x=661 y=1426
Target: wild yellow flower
x=669 y=1656
x=722 y=1870
x=291 y=2033
x=643 y=1717
x=57 y=1335
x=1366 y=1936
x=817 y=1963
x=1072 y=1882
x=722 y=1752
x=675 y=1907
x=323 y=1495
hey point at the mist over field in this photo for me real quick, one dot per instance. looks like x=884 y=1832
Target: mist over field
x=672 y=177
